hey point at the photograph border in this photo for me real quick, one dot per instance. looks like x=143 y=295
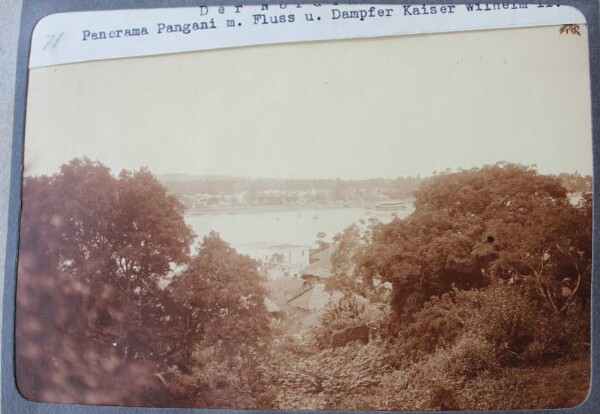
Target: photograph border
x=34 y=10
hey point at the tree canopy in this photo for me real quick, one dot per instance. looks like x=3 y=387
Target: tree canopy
x=473 y=226
x=225 y=326
x=92 y=250
x=491 y=272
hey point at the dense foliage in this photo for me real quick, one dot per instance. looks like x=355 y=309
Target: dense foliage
x=501 y=222
x=480 y=299
x=491 y=276
x=225 y=333
x=94 y=324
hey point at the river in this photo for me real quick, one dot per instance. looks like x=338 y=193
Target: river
x=297 y=226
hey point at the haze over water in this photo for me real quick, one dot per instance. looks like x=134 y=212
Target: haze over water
x=298 y=226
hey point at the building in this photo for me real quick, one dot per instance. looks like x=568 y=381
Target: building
x=320 y=268
x=312 y=296
x=278 y=260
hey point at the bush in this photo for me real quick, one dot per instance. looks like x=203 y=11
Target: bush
x=560 y=336
x=503 y=316
x=435 y=382
x=467 y=358
x=437 y=325
x=520 y=330
x=339 y=315
x=324 y=380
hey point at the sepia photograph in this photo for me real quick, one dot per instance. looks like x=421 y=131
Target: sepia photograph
x=386 y=224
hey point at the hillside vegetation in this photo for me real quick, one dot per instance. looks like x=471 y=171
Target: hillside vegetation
x=480 y=299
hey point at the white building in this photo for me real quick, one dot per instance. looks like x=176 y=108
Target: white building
x=278 y=259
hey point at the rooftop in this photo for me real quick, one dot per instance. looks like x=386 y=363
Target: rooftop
x=321 y=267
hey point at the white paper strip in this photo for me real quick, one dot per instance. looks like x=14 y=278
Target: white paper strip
x=97 y=35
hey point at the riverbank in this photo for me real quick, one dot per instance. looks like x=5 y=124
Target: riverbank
x=284 y=207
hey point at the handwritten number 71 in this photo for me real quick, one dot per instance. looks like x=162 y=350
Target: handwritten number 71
x=53 y=40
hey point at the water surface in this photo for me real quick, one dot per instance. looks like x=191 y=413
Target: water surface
x=298 y=226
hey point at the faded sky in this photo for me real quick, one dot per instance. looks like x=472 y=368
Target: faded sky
x=350 y=109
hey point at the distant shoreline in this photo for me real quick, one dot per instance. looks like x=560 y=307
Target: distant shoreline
x=574 y=196
x=281 y=207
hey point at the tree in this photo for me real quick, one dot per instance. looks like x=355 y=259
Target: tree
x=226 y=328
x=549 y=249
x=92 y=250
x=472 y=226
x=321 y=240
x=150 y=237
x=423 y=256
x=62 y=354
